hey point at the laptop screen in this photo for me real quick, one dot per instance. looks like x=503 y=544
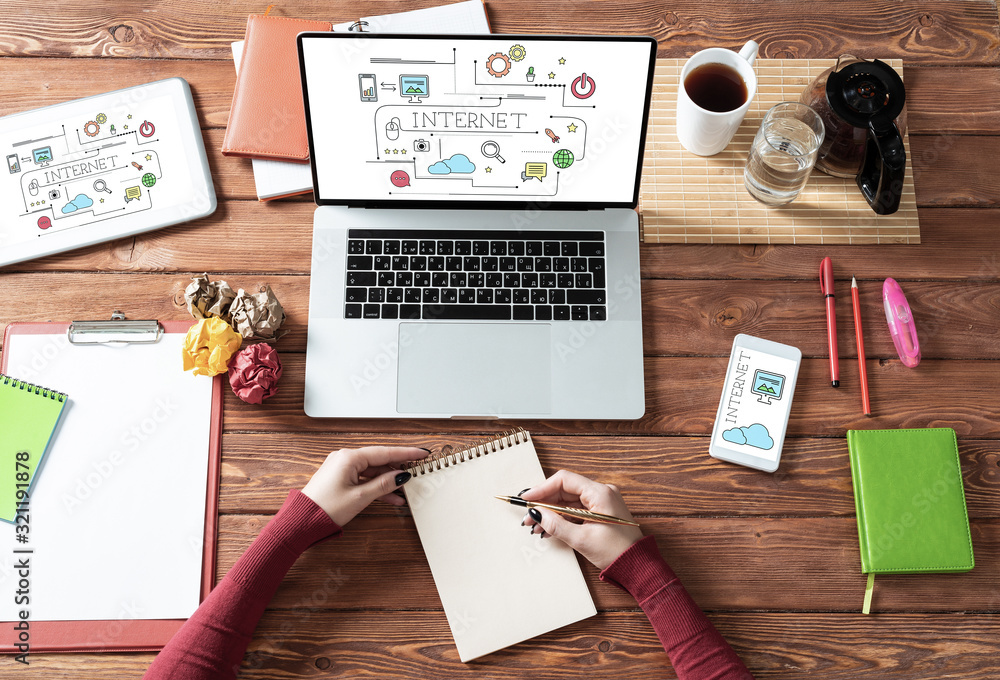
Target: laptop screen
x=476 y=121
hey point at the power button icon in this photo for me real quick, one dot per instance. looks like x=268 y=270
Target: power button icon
x=147 y=129
x=583 y=86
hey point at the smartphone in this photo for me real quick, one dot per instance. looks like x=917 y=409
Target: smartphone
x=12 y=164
x=756 y=401
x=367 y=85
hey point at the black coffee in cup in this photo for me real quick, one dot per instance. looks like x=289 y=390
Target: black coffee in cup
x=716 y=87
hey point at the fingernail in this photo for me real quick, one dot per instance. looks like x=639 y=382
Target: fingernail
x=402 y=478
x=542 y=535
x=535 y=514
x=423 y=449
x=521 y=492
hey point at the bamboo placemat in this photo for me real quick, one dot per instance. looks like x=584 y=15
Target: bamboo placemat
x=686 y=198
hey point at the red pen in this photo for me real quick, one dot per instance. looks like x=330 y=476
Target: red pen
x=856 y=303
x=826 y=287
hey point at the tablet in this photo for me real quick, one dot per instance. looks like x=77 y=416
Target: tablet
x=101 y=168
x=756 y=400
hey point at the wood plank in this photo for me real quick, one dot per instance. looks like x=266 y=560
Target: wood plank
x=958 y=394
x=952 y=99
x=789 y=646
x=659 y=476
x=957 y=245
x=730 y=564
x=680 y=318
x=951 y=32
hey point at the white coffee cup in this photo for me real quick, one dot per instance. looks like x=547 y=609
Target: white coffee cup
x=705 y=132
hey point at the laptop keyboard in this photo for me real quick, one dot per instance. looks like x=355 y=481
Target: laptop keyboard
x=479 y=275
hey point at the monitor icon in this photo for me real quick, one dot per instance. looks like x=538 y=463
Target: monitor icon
x=414 y=87
x=767 y=386
x=42 y=155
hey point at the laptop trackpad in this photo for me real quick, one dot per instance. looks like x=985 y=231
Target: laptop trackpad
x=474 y=369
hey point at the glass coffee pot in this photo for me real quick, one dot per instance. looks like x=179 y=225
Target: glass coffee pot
x=862 y=104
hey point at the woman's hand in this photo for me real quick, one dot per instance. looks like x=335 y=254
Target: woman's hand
x=601 y=544
x=350 y=479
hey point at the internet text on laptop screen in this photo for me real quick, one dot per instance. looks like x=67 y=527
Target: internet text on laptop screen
x=499 y=119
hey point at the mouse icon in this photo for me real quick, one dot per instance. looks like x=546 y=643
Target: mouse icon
x=392 y=129
x=33 y=187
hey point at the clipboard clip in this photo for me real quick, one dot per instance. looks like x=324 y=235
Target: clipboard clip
x=117 y=330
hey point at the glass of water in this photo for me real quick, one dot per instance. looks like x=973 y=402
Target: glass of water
x=783 y=153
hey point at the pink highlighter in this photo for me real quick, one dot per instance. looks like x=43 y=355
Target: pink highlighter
x=904 y=333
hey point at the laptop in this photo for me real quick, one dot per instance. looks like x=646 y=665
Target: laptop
x=476 y=247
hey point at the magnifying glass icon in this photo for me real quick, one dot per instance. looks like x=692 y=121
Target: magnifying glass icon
x=101 y=185
x=491 y=149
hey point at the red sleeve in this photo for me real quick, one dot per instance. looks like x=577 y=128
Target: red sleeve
x=696 y=649
x=211 y=644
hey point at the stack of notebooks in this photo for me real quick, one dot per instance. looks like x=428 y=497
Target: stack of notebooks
x=267 y=120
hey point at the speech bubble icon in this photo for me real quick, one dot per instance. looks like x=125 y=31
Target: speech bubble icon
x=538 y=170
x=132 y=193
x=44 y=222
x=399 y=178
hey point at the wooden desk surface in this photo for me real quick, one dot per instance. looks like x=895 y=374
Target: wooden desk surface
x=773 y=559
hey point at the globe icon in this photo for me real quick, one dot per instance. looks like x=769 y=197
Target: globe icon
x=149 y=179
x=563 y=158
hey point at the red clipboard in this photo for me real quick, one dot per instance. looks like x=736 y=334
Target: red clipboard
x=136 y=635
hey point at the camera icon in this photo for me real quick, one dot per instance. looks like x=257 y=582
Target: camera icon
x=421 y=145
x=53 y=194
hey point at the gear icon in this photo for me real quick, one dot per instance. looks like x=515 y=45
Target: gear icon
x=517 y=52
x=87 y=128
x=493 y=59
x=101 y=118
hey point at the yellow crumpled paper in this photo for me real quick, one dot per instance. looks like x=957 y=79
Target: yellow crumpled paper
x=209 y=345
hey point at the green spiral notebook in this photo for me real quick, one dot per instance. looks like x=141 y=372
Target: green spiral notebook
x=28 y=418
x=910 y=502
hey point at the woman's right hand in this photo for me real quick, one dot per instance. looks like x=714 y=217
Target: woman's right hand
x=600 y=543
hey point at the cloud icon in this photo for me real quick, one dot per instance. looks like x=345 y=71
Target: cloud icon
x=756 y=435
x=81 y=201
x=459 y=163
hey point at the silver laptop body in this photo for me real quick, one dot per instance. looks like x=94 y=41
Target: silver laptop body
x=387 y=116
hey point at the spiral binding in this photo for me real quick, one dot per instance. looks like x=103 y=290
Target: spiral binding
x=45 y=392
x=483 y=447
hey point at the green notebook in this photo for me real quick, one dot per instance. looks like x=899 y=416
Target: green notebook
x=28 y=417
x=910 y=502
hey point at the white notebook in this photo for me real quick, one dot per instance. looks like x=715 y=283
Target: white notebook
x=278 y=179
x=499 y=584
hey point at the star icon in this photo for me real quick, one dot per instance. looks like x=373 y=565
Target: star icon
x=395 y=150
x=126 y=127
x=403 y=151
x=102 y=200
x=148 y=157
x=551 y=75
x=571 y=127
x=489 y=169
x=562 y=60
x=129 y=116
x=388 y=151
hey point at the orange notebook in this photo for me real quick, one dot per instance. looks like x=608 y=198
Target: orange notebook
x=267 y=118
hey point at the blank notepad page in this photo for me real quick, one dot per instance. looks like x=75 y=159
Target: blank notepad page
x=499 y=585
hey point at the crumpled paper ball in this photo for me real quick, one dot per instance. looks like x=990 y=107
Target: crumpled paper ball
x=254 y=373
x=208 y=298
x=209 y=345
x=257 y=316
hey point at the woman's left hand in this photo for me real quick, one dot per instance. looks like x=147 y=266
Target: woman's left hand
x=350 y=479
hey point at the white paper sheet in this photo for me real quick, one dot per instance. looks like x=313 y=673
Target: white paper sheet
x=117 y=515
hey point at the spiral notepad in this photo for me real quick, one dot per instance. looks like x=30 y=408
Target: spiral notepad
x=28 y=417
x=498 y=584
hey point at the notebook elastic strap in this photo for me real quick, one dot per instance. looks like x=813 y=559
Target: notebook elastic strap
x=866 y=608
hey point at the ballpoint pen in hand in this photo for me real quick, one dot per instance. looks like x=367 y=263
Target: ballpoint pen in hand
x=579 y=513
